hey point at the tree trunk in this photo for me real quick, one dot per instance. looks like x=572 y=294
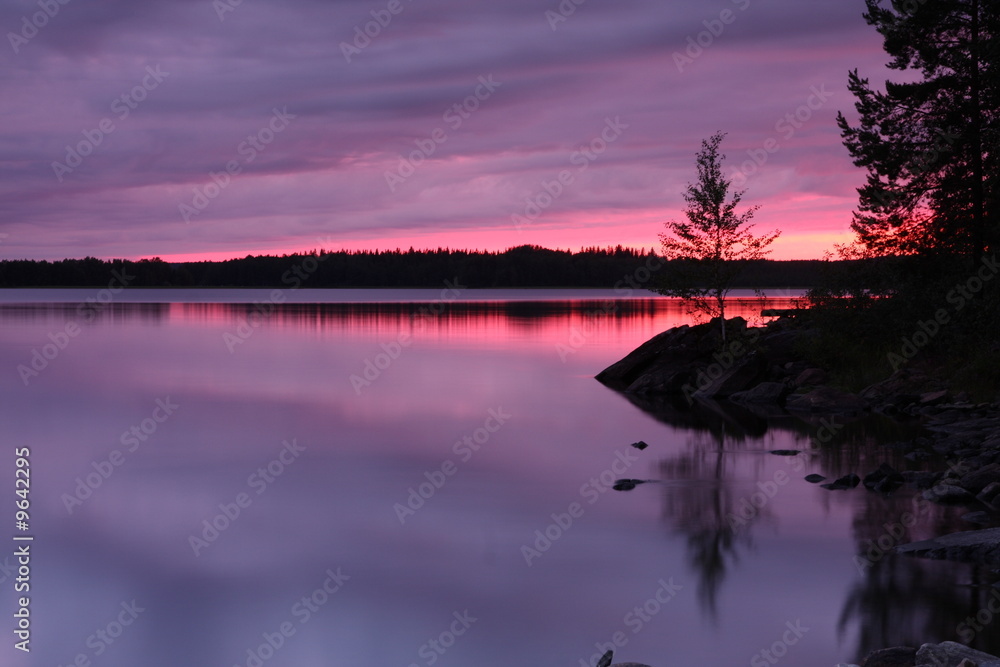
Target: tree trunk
x=976 y=136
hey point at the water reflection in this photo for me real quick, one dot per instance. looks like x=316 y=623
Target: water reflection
x=743 y=579
x=895 y=600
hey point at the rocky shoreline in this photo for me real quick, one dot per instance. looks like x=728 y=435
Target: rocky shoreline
x=759 y=369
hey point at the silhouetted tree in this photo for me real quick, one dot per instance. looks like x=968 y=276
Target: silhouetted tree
x=715 y=241
x=930 y=143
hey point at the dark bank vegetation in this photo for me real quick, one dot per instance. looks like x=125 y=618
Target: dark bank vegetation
x=924 y=292
x=525 y=266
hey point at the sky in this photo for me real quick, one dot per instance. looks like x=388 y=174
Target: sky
x=201 y=129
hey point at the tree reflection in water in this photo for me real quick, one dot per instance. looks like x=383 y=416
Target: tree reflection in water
x=895 y=600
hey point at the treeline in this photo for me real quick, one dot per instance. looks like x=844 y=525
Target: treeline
x=523 y=266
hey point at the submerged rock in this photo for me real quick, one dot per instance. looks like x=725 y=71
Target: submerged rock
x=848 y=481
x=885 y=479
x=977 y=546
x=627 y=484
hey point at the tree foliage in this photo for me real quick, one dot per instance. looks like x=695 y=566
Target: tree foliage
x=712 y=245
x=930 y=142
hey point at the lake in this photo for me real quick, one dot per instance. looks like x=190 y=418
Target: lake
x=398 y=478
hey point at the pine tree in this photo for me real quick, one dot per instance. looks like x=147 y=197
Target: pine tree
x=711 y=245
x=930 y=143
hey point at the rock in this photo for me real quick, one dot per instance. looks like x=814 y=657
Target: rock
x=640 y=445
x=814 y=478
x=933 y=397
x=902 y=387
x=826 y=399
x=981 y=518
x=627 y=484
x=948 y=493
x=899 y=656
x=811 y=376
x=743 y=373
x=990 y=496
x=680 y=359
x=662 y=381
x=765 y=392
x=678 y=343
x=605 y=661
x=977 y=480
x=921 y=479
x=949 y=654
x=848 y=481
x=976 y=546
x=785 y=452
x=884 y=480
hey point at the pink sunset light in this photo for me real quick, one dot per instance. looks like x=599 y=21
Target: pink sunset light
x=181 y=131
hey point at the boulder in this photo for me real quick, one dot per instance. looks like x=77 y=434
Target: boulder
x=975 y=546
x=949 y=654
x=678 y=343
x=975 y=481
x=948 y=493
x=990 y=496
x=826 y=399
x=898 y=656
x=765 y=392
x=814 y=478
x=743 y=373
x=885 y=479
x=848 y=481
x=811 y=376
x=933 y=397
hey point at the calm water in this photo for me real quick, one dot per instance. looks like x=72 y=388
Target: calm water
x=445 y=478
